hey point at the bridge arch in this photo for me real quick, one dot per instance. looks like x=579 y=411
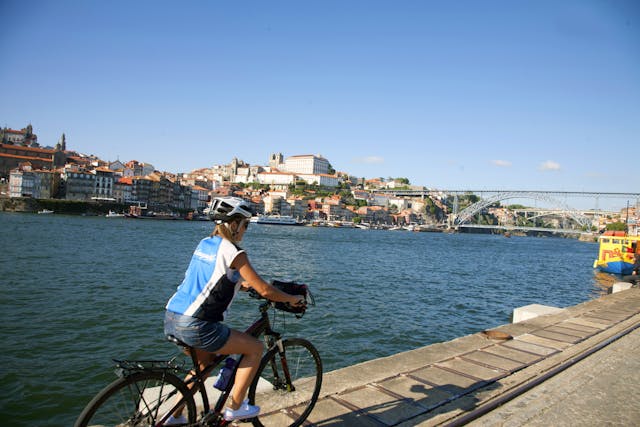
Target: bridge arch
x=468 y=213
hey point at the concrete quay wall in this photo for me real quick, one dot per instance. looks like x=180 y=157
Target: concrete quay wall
x=456 y=382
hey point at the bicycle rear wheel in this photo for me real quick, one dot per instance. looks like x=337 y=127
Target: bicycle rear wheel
x=287 y=399
x=139 y=399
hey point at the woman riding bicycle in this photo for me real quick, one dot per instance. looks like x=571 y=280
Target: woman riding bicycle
x=196 y=311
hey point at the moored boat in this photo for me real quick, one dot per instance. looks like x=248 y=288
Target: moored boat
x=113 y=214
x=616 y=252
x=45 y=211
x=277 y=220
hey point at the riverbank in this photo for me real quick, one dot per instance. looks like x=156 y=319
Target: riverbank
x=101 y=208
x=457 y=382
x=68 y=207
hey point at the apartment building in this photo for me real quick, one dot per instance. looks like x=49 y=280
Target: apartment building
x=103 y=189
x=26 y=182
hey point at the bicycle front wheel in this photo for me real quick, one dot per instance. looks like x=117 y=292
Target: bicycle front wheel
x=139 y=399
x=287 y=384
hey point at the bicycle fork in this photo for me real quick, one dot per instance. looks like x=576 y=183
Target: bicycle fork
x=278 y=383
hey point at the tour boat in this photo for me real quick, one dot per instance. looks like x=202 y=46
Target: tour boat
x=616 y=253
x=277 y=220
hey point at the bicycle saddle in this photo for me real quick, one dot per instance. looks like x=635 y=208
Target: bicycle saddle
x=176 y=341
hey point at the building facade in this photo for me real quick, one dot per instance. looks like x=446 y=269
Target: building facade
x=24 y=137
x=40 y=158
x=104 y=181
x=78 y=184
x=307 y=164
x=26 y=182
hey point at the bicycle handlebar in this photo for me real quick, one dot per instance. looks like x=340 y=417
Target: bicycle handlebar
x=254 y=294
x=299 y=310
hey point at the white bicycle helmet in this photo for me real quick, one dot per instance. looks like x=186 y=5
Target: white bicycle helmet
x=226 y=209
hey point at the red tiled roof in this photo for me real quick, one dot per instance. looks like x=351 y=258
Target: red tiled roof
x=22 y=147
x=13 y=156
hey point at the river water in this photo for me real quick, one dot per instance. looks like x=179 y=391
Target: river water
x=79 y=291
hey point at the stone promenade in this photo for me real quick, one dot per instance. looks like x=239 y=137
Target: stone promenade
x=579 y=366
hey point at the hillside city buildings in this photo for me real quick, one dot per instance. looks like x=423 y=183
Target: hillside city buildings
x=58 y=172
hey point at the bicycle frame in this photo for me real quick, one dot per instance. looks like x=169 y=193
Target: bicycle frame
x=196 y=383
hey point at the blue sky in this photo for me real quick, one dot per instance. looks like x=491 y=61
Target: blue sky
x=450 y=94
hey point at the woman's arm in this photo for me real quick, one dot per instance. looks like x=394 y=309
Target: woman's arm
x=242 y=264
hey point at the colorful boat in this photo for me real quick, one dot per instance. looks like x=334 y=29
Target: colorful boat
x=616 y=253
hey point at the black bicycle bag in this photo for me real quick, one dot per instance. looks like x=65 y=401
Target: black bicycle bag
x=292 y=288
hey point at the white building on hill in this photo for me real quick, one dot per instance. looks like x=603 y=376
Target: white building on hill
x=307 y=164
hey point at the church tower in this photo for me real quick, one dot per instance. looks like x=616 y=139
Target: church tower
x=62 y=143
x=276 y=161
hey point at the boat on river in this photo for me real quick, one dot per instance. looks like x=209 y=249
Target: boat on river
x=616 y=252
x=277 y=220
x=45 y=211
x=114 y=214
x=140 y=211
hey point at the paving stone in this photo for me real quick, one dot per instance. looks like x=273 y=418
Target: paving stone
x=276 y=419
x=575 y=326
x=611 y=315
x=447 y=381
x=382 y=406
x=561 y=329
x=546 y=333
x=513 y=354
x=589 y=322
x=600 y=317
x=423 y=395
x=544 y=342
x=329 y=412
x=493 y=360
x=520 y=344
x=471 y=369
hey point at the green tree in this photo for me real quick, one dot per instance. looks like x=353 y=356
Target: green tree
x=617 y=226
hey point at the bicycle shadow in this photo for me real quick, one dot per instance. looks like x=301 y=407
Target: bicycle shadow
x=395 y=404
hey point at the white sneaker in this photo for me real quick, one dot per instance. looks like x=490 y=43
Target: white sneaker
x=174 y=421
x=244 y=411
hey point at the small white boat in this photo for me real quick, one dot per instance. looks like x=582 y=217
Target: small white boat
x=278 y=220
x=113 y=214
x=45 y=211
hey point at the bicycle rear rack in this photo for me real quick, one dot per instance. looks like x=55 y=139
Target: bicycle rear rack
x=127 y=367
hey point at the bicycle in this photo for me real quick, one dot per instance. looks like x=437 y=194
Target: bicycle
x=147 y=392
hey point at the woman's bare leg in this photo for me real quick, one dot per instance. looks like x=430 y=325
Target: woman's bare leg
x=251 y=350
x=204 y=359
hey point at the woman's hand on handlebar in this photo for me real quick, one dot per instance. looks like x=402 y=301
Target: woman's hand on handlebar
x=298 y=301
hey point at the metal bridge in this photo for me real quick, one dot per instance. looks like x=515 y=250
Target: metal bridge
x=489 y=197
x=522 y=228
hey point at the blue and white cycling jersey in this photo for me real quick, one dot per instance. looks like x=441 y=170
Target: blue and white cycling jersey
x=209 y=283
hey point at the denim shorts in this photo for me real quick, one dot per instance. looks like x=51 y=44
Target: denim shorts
x=198 y=333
